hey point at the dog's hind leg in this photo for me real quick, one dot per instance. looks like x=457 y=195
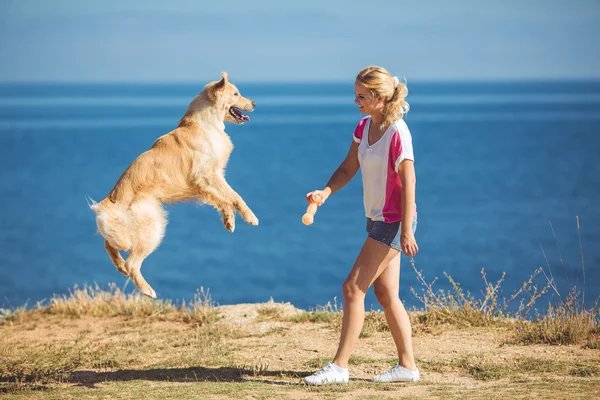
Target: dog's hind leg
x=150 y=222
x=116 y=258
x=134 y=266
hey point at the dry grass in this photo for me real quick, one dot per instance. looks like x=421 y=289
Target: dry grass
x=461 y=308
x=269 y=312
x=55 y=361
x=79 y=347
x=329 y=313
x=96 y=302
x=563 y=323
x=566 y=321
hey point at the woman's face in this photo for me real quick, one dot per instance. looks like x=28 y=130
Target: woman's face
x=367 y=104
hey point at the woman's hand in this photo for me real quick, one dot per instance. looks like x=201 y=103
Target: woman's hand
x=408 y=244
x=322 y=195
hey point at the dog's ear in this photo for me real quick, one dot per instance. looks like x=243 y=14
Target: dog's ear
x=219 y=86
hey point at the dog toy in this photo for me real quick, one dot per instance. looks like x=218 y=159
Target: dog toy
x=309 y=217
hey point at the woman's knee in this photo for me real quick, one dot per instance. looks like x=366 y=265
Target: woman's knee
x=385 y=294
x=352 y=291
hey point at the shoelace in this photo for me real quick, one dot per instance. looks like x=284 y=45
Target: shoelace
x=391 y=372
x=324 y=370
x=397 y=371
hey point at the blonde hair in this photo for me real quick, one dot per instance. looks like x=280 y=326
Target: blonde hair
x=381 y=83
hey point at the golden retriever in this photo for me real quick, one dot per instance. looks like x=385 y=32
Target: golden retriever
x=187 y=163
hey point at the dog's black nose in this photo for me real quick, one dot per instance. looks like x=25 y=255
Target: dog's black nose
x=253 y=104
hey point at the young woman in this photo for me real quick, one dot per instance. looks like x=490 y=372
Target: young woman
x=382 y=148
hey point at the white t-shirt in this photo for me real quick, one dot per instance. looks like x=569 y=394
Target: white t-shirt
x=382 y=187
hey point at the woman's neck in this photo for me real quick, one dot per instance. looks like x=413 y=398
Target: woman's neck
x=377 y=118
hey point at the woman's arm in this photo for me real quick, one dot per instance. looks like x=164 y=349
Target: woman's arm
x=406 y=170
x=342 y=175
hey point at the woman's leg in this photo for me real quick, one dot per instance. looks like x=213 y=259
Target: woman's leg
x=372 y=260
x=386 y=290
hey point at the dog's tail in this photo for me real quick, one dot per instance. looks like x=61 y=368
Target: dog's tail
x=91 y=203
x=113 y=223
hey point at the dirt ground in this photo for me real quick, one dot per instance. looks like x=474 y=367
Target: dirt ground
x=255 y=351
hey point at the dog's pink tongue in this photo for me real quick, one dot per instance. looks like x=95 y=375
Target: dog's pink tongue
x=246 y=118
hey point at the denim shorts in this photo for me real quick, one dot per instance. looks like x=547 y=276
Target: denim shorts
x=388 y=233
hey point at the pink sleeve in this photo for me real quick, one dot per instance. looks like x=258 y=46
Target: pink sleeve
x=358 y=132
x=395 y=151
x=401 y=147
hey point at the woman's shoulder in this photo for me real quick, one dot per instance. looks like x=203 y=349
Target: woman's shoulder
x=358 y=131
x=364 y=120
x=401 y=127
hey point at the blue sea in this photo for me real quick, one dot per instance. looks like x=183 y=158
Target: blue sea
x=503 y=171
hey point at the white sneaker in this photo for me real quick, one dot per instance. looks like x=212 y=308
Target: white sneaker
x=398 y=374
x=330 y=373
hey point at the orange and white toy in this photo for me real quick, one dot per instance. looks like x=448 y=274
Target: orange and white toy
x=309 y=217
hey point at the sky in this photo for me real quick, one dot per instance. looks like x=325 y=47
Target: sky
x=307 y=40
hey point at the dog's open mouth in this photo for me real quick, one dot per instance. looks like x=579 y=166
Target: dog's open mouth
x=238 y=114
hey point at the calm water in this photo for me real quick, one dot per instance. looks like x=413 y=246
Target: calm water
x=503 y=170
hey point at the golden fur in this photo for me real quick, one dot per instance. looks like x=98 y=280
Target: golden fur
x=188 y=163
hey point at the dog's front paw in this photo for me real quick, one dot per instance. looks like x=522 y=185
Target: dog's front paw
x=252 y=220
x=229 y=222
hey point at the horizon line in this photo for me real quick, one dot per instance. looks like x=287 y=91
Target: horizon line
x=303 y=82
